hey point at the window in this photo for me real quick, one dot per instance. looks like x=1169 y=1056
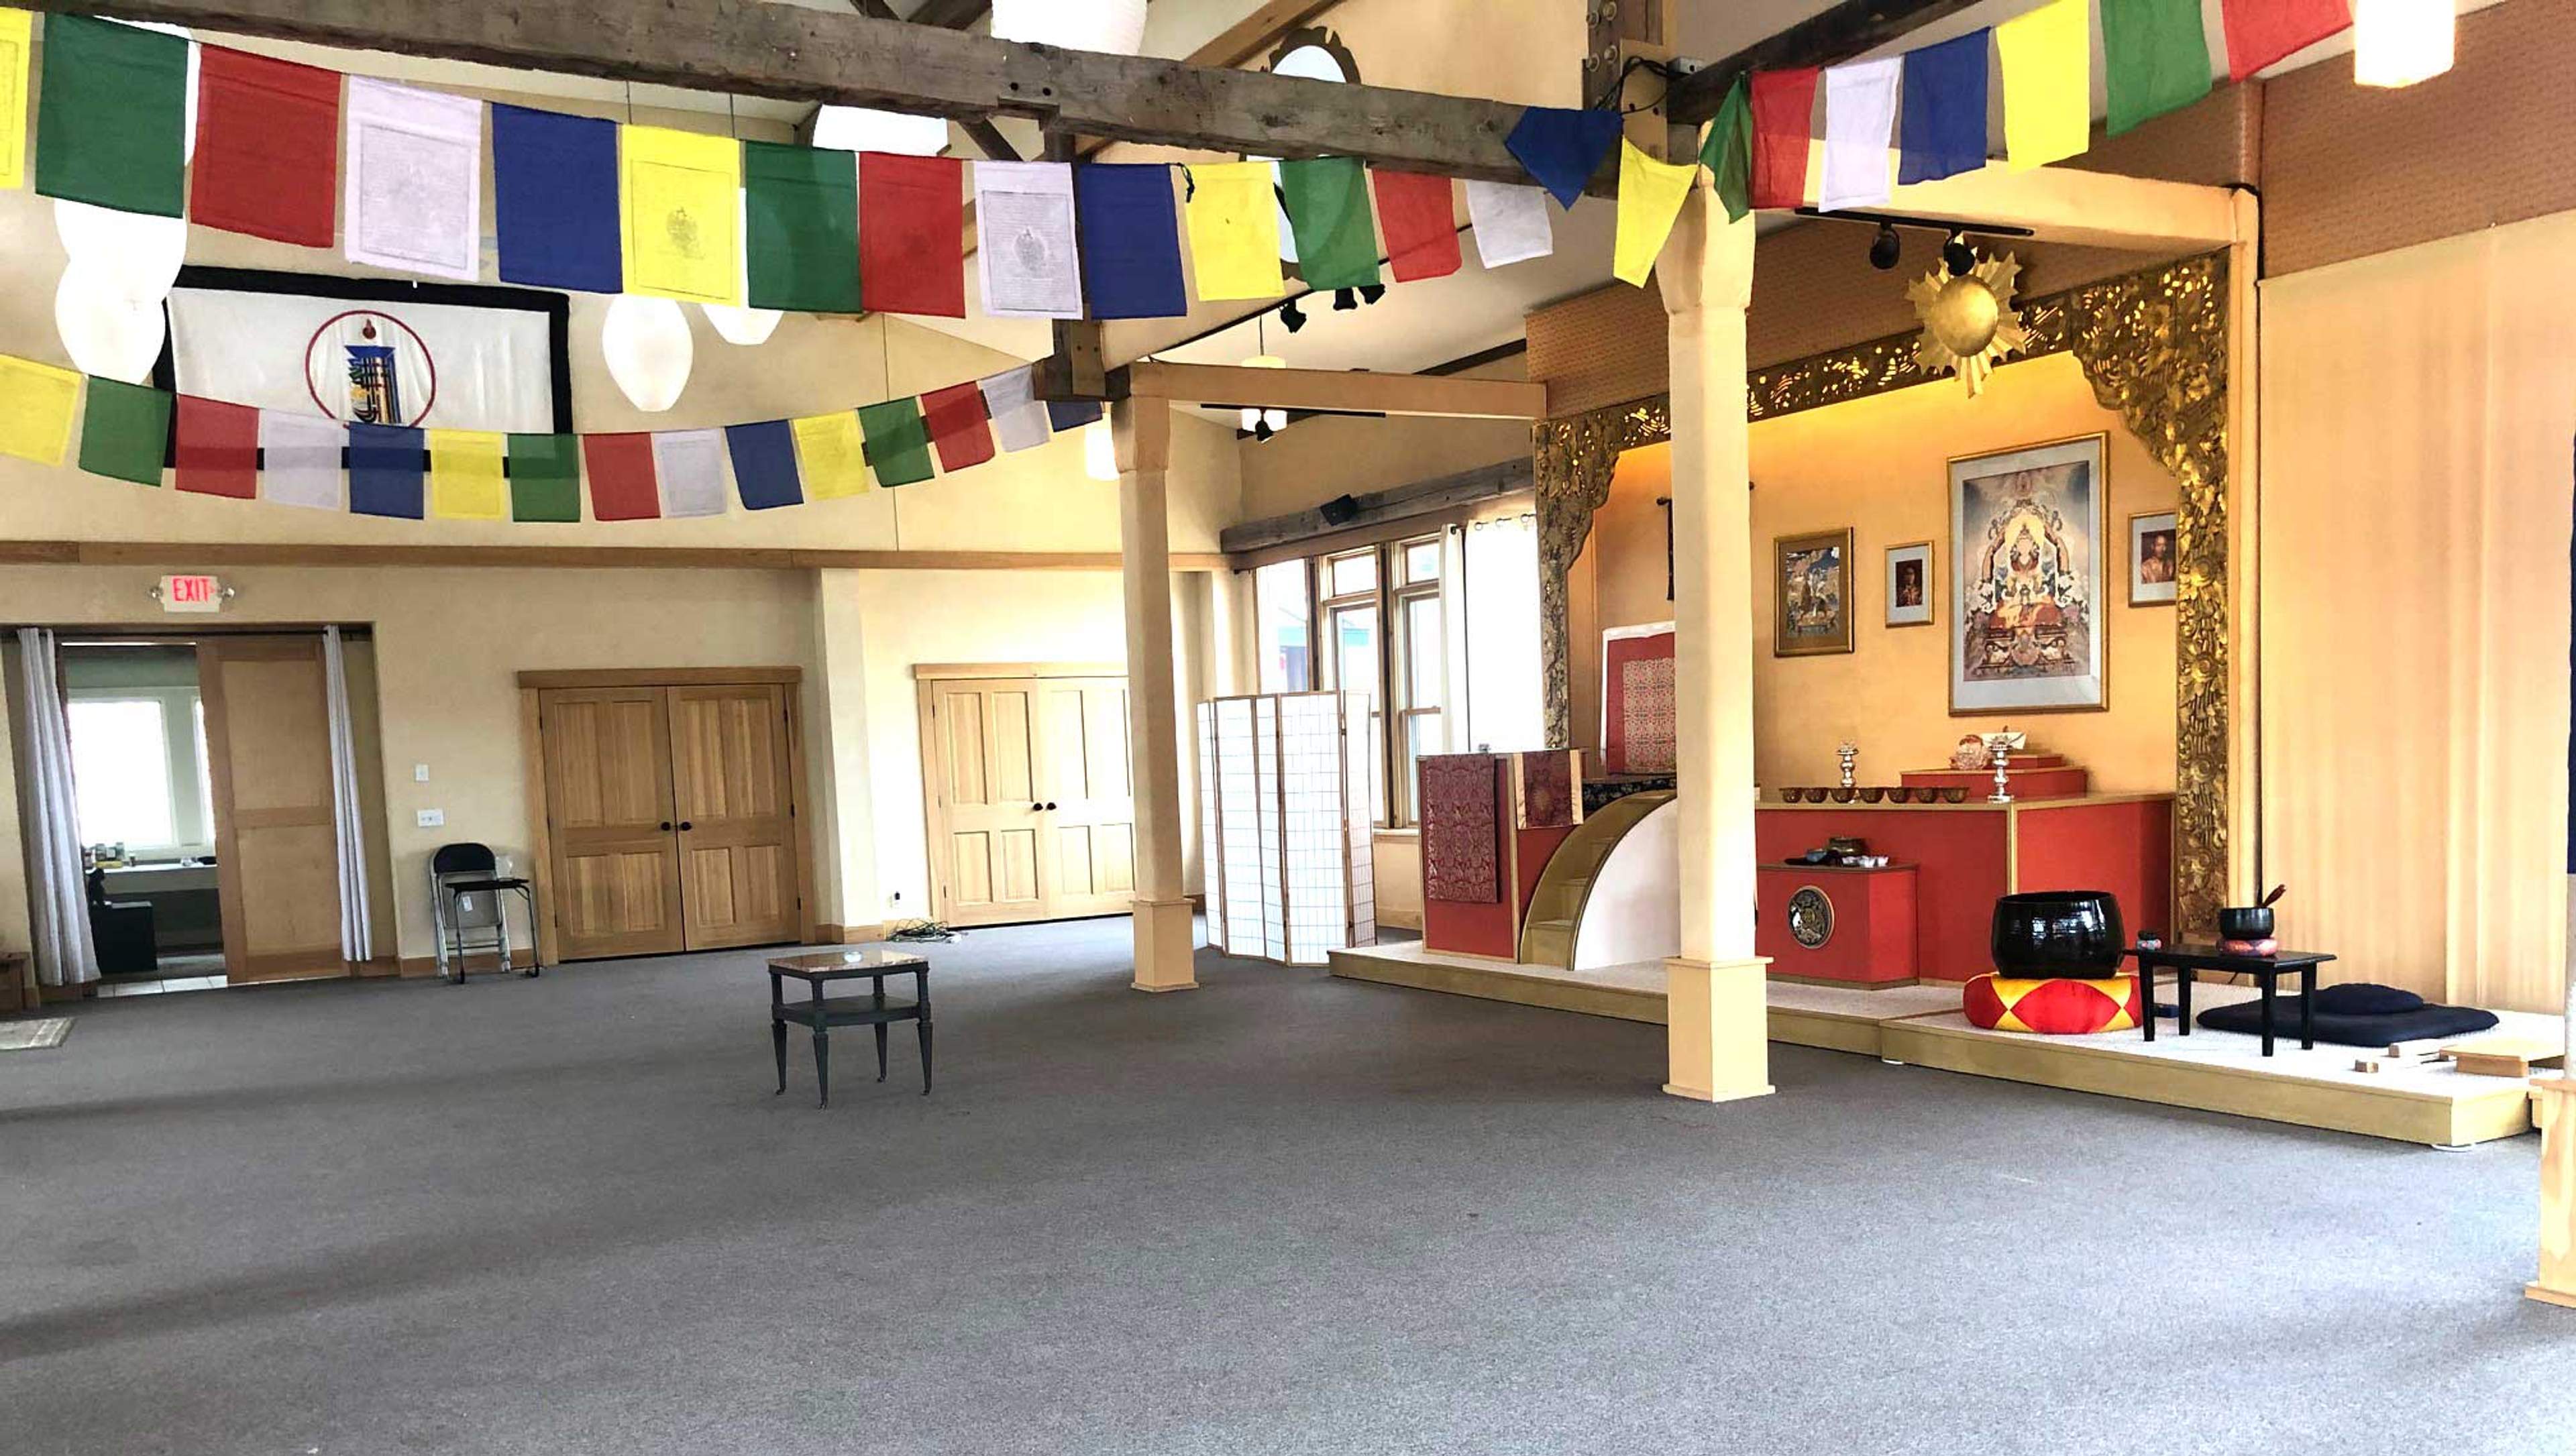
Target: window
x=1383 y=632
x=139 y=769
x=1283 y=616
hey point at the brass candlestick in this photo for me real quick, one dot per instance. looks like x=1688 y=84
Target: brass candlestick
x=2001 y=745
x=1849 y=752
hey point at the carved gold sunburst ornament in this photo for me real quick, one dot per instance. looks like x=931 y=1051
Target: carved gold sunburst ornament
x=1969 y=322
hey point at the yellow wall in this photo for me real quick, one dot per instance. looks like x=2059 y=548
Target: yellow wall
x=1880 y=466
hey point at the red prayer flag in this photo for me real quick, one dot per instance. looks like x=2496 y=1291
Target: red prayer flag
x=268 y=147
x=959 y=425
x=1419 y=215
x=2260 y=32
x=218 y=449
x=623 y=486
x=912 y=214
x=1784 y=112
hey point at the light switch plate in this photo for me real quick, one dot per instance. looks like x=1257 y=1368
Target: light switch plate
x=420 y=773
x=432 y=818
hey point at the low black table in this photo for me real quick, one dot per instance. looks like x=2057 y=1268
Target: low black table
x=874 y=964
x=2188 y=960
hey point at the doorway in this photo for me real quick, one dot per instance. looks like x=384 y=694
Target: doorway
x=1032 y=815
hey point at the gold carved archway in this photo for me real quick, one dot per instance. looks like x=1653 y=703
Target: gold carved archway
x=2154 y=346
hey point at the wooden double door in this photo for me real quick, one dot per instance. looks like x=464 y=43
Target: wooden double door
x=277 y=839
x=1032 y=813
x=670 y=817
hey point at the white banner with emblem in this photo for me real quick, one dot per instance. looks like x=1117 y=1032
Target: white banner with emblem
x=443 y=366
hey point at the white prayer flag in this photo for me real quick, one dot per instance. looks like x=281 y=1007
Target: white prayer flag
x=1511 y=222
x=414 y=197
x=1019 y=416
x=690 y=465
x=299 y=459
x=1860 y=117
x=1032 y=267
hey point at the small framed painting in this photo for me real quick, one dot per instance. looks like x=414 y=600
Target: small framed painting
x=1811 y=594
x=1909 y=585
x=2151 y=560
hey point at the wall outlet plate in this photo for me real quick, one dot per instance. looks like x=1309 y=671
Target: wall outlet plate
x=431 y=818
x=420 y=773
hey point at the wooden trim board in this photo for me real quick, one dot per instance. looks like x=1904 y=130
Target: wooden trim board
x=658 y=677
x=203 y=554
x=973 y=671
x=1502 y=981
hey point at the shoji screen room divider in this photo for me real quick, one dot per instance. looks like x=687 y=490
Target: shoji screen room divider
x=1285 y=805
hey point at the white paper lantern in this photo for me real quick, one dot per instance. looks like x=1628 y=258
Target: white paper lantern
x=649 y=350
x=135 y=253
x=2401 y=42
x=106 y=332
x=858 y=129
x=1115 y=26
x=1100 y=451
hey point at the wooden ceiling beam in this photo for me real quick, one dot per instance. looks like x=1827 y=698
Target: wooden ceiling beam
x=1851 y=28
x=1349 y=392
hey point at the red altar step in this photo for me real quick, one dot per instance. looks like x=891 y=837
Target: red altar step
x=2041 y=776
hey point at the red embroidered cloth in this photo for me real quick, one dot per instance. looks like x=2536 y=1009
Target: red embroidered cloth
x=1461 y=834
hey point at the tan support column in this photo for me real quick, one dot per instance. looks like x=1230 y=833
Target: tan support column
x=1719 y=1019
x=2554 y=1107
x=1165 y=937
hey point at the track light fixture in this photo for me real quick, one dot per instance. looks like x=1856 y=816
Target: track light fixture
x=1372 y=293
x=1957 y=256
x=1261 y=430
x=1887 y=249
x=1292 y=316
x=1345 y=301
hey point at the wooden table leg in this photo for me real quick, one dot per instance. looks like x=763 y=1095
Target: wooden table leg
x=2183 y=977
x=921 y=994
x=2270 y=984
x=778 y=1030
x=2147 y=998
x=822 y=1051
x=879 y=986
x=2308 y=1008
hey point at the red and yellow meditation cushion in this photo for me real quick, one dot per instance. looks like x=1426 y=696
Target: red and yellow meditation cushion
x=2057 y=1006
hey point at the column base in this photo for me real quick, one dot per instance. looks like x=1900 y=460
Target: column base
x=1166 y=946
x=1719 y=1034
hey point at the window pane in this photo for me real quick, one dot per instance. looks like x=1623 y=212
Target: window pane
x=1422 y=562
x=205 y=774
x=1355 y=650
x=1279 y=592
x=121 y=771
x=1421 y=736
x=1353 y=573
x=1423 y=647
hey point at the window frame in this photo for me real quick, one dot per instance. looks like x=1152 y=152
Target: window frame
x=1391 y=594
x=187 y=763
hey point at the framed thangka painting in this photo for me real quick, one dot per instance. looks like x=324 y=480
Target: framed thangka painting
x=1811 y=593
x=2026 y=579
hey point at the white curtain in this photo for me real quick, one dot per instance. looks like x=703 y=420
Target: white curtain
x=50 y=816
x=1504 y=707
x=356 y=945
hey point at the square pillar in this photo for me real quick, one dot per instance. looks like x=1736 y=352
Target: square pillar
x=1166 y=938
x=2553 y=1105
x=1719 y=1028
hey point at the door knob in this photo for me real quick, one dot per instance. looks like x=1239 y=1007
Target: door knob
x=685 y=824
x=1050 y=805
x=1034 y=808
x=666 y=826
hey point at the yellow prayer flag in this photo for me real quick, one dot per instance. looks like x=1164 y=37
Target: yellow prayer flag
x=37 y=402
x=683 y=214
x=16 y=32
x=1650 y=199
x=466 y=479
x=2048 y=83
x=830 y=455
x=1234 y=230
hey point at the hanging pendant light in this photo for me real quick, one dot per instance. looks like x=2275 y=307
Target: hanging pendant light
x=2401 y=42
x=133 y=253
x=860 y=129
x=648 y=349
x=106 y=332
x=1115 y=26
x=1099 y=451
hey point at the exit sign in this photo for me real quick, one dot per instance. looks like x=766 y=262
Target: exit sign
x=192 y=594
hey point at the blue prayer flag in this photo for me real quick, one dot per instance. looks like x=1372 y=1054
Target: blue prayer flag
x=554 y=200
x=1131 y=240
x=388 y=470
x=1561 y=149
x=764 y=464
x=1071 y=414
x=1943 y=131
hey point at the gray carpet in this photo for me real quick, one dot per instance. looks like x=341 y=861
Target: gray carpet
x=1279 y=1214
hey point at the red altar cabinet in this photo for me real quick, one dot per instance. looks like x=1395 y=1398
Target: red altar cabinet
x=1489 y=823
x=1838 y=925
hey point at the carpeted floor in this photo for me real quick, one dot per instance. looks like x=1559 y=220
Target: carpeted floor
x=1280 y=1214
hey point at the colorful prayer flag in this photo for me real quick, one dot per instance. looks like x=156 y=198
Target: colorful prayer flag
x=1784 y=111
x=1019 y=417
x=2157 y=58
x=764 y=465
x=217 y=451
x=468 y=475
x=2047 y=59
x=17 y=44
x=554 y=202
x=2259 y=32
x=545 y=477
x=1131 y=240
x=690 y=466
x=1561 y=149
x=109 y=118
x=898 y=443
x=386 y=470
x=1026 y=255
x=36 y=405
x=801 y=227
x=958 y=426
x=1728 y=154
x=1419 y=215
x=1860 y=117
x=413 y=180
x=268 y=147
x=1328 y=210
x=125 y=431
x=830 y=456
x=299 y=459
x=1067 y=415
x=620 y=468
x=1511 y=223
x=682 y=208
x=1234 y=230
x=912 y=226
x=1651 y=194
x=1943 y=132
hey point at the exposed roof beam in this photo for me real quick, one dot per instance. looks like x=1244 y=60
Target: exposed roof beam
x=987 y=137
x=1851 y=28
x=1354 y=391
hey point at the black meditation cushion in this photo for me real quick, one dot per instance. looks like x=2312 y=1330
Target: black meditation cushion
x=2423 y=1023
x=2362 y=998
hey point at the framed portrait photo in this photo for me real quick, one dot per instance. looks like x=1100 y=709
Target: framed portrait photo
x=2026 y=580
x=1909 y=585
x=1811 y=596
x=2153 y=559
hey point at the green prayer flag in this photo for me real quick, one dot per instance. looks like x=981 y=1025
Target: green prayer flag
x=545 y=478
x=125 y=431
x=109 y=119
x=1729 y=153
x=2157 y=58
x=898 y=443
x=801 y=206
x=1336 y=230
